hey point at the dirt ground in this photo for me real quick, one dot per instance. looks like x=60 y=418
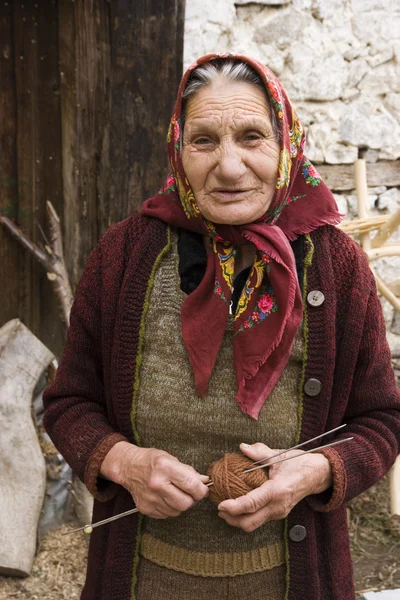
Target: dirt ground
x=59 y=569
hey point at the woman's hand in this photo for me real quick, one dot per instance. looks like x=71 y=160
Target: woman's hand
x=289 y=482
x=159 y=483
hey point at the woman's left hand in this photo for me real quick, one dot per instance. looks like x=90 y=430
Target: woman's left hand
x=288 y=483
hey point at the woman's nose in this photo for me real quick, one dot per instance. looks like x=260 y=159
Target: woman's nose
x=230 y=165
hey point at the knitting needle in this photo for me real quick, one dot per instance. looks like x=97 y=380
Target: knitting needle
x=275 y=462
x=89 y=528
x=299 y=445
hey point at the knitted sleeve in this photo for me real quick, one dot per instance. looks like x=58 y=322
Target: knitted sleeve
x=75 y=412
x=372 y=414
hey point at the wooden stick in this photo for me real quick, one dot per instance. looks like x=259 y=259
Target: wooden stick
x=386 y=230
x=392 y=250
x=51 y=258
x=362 y=198
x=359 y=225
x=395 y=488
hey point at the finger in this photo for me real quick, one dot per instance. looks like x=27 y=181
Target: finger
x=251 y=502
x=257 y=451
x=176 y=499
x=188 y=480
x=250 y=522
x=205 y=478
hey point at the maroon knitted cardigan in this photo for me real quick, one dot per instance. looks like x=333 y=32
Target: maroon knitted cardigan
x=88 y=407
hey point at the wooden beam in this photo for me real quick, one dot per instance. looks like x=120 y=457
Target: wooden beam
x=341 y=178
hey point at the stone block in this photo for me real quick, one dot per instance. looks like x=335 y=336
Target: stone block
x=352 y=202
x=390 y=152
x=392 y=103
x=376 y=25
x=389 y=200
x=333 y=10
x=341 y=202
x=330 y=66
x=338 y=154
x=368 y=124
x=382 y=80
x=302 y=4
x=277 y=30
x=357 y=70
x=371 y=156
x=368 y=5
x=271 y=57
x=263 y=2
x=387 y=268
x=380 y=58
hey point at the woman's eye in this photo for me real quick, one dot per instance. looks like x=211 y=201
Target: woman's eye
x=202 y=140
x=252 y=136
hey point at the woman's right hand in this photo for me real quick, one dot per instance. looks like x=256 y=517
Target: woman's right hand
x=161 y=486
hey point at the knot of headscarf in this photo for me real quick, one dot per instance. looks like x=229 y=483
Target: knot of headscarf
x=269 y=310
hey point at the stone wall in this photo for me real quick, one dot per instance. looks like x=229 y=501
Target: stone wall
x=339 y=61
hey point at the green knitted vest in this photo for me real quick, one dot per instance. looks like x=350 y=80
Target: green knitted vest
x=198 y=431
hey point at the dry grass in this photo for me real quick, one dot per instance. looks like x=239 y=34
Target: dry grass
x=58 y=572
x=375 y=541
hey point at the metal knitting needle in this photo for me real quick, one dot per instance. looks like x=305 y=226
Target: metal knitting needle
x=89 y=528
x=275 y=462
x=300 y=445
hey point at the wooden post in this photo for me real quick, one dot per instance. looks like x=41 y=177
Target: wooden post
x=362 y=199
x=395 y=489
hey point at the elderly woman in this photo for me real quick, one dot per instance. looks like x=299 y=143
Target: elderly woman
x=230 y=314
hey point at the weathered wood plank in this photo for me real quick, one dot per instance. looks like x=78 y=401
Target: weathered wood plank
x=10 y=253
x=48 y=130
x=340 y=178
x=38 y=155
x=28 y=156
x=147 y=51
x=84 y=68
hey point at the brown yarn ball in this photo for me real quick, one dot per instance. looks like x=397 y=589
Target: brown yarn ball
x=228 y=478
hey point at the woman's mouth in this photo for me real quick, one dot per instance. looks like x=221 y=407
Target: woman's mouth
x=227 y=194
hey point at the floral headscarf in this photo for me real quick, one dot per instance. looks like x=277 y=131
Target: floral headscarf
x=270 y=308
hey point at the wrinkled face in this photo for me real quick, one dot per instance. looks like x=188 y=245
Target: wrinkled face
x=230 y=153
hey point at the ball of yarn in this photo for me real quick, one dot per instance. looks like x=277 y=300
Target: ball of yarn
x=229 y=480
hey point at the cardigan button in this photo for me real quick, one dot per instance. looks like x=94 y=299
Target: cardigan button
x=297 y=533
x=315 y=298
x=312 y=387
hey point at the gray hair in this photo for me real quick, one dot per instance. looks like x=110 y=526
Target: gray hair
x=230 y=70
